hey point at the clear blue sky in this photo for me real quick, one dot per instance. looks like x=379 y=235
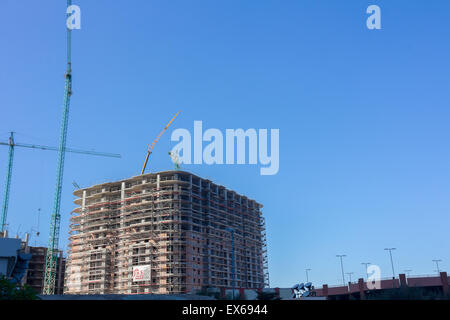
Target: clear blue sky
x=363 y=115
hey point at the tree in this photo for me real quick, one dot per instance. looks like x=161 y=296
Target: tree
x=12 y=291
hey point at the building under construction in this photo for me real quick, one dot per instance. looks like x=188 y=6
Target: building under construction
x=166 y=232
x=36 y=268
x=26 y=264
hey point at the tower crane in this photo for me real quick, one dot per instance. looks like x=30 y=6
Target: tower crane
x=150 y=147
x=12 y=144
x=52 y=251
x=175 y=159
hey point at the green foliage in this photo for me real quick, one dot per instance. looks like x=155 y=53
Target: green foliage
x=12 y=291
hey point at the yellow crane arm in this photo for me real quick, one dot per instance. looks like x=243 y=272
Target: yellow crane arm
x=150 y=147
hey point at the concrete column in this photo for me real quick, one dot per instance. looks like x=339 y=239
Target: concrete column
x=277 y=292
x=362 y=294
x=80 y=287
x=27 y=238
x=175 y=186
x=190 y=190
x=122 y=191
x=325 y=291
x=222 y=292
x=175 y=189
x=59 y=287
x=83 y=201
x=402 y=278
x=209 y=218
x=122 y=198
x=158 y=180
x=242 y=293
x=444 y=281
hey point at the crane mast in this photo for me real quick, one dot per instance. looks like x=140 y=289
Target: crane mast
x=52 y=251
x=8 y=182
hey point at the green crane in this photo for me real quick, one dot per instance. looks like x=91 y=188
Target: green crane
x=52 y=251
x=12 y=144
x=8 y=182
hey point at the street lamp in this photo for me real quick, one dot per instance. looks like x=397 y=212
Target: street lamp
x=233 y=271
x=392 y=263
x=437 y=265
x=365 y=264
x=350 y=276
x=340 y=256
x=307 y=278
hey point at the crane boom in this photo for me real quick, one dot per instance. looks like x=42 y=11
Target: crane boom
x=150 y=147
x=37 y=146
x=12 y=144
x=52 y=251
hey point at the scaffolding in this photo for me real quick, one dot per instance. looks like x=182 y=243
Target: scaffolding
x=173 y=222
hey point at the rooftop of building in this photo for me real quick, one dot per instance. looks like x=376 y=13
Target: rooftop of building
x=79 y=192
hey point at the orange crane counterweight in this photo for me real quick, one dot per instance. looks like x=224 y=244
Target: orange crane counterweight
x=150 y=147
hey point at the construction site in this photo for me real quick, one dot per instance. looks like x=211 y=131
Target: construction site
x=168 y=232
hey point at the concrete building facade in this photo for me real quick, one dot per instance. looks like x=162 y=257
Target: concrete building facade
x=10 y=249
x=26 y=264
x=167 y=232
x=438 y=283
x=36 y=270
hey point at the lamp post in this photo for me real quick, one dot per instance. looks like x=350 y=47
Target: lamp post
x=350 y=276
x=392 y=262
x=340 y=256
x=307 y=278
x=437 y=265
x=365 y=264
x=233 y=271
